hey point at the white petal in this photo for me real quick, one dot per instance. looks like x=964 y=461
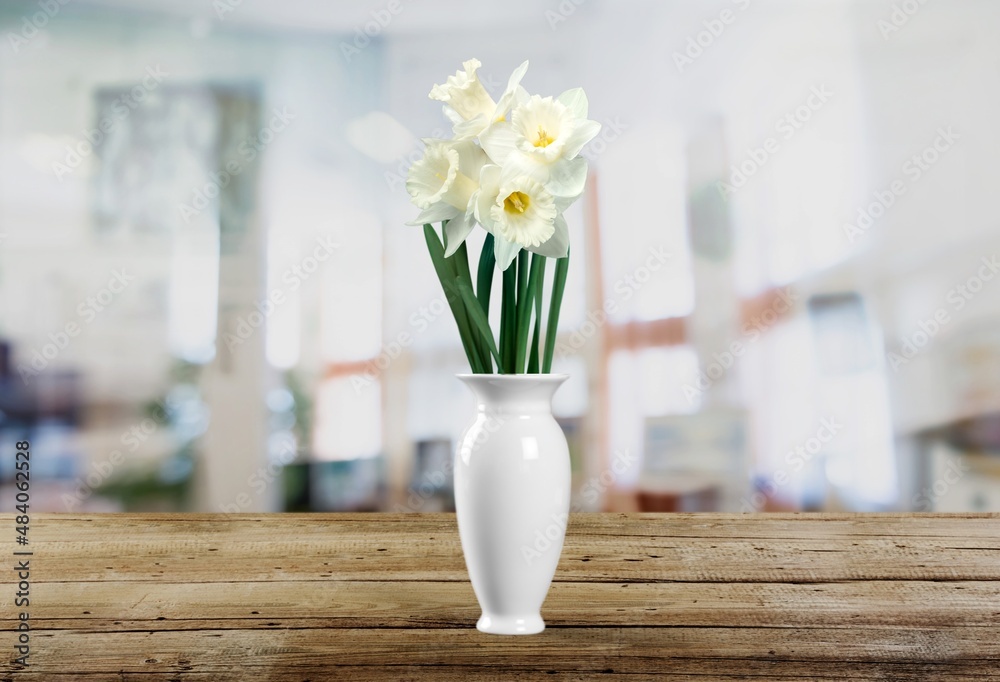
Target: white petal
x=584 y=132
x=562 y=203
x=520 y=163
x=455 y=232
x=489 y=177
x=471 y=158
x=520 y=96
x=511 y=93
x=435 y=214
x=452 y=115
x=464 y=92
x=576 y=101
x=516 y=76
x=505 y=251
x=567 y=178
x=499 y=140
x=465 y=130
x=557 y=246
x=489 y=187
x=431 y=176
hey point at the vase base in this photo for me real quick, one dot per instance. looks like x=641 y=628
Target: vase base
x=510 y=625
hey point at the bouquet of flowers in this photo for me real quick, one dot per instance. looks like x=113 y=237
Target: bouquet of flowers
x=512 y=167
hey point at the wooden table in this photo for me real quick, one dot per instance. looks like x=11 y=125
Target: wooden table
x=215 y=598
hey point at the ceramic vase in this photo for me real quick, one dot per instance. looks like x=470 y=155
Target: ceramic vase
x=512 y=494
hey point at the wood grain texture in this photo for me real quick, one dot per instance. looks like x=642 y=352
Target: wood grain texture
x=386 y=597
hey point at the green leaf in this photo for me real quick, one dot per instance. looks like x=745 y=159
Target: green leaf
x=552 y=326
x=484 y=279
x=479 y=320
x=525 y=302
x=446 y=276
x=536 y=334
x=460 y=267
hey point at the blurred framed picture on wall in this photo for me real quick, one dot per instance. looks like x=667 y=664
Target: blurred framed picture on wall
x=695 y=462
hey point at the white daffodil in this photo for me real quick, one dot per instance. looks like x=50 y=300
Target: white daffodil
x=543 y=139
x=443 y=183
x=520 y=213
x=467 y=104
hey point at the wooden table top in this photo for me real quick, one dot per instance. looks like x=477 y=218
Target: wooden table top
x=221 y=597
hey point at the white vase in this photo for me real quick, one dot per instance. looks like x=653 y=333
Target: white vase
x=512 y=489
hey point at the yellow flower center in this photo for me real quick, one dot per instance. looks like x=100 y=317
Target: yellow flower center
x=516 y=202
x=543 y=139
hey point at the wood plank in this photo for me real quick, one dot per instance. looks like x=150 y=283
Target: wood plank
x=685 y=671
x=312 y=548
x=644 y=596
x=122 y=606
x=632 y=650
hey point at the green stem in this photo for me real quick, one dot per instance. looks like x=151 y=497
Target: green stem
x=508 y=319
x=522 y=278
x=525 y=302
x=536 y=334
x=552 y=326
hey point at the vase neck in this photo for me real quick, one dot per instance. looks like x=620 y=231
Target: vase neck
x=514 y=394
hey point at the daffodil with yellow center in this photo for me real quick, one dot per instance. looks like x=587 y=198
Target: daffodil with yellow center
x=443 y=184
x=520 y=213
x=543 y=139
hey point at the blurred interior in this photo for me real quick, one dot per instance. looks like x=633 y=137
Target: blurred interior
x=782 y=296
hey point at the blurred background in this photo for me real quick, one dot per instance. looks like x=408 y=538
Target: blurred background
x=783 y=292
